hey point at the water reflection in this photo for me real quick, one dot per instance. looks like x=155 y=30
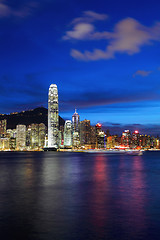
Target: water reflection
x=99 y=196
x=133 y=196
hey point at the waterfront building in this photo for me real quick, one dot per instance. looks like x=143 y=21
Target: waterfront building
x=68 y=134
x=93 y=137
x=111 y=142
x=98 y=129
x=53 y=119
x=126 y=138
x=76 y=129
x=4 y=143
x=28 y=137
x=101 y=140
x=42 y=134
x=3 y=127
x=85 y=132
x=21 y=137
x=12 y=143
x=34 y=135
x=135 y=139
x=61 y=137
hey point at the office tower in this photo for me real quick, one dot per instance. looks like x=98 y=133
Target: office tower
x=68 y=134
x=53 y=120
x=76 y=129
x=75 y=122
x=28 y=137
x=21 y=137
x=93 y=137
x=42 y=134
x=4 y=143
x=3 y=127
x=126 y=138
x=98 y=129
x=61 y=137
x=85 y=132
x=135 y=139
x=111 y=142
x=34 y=135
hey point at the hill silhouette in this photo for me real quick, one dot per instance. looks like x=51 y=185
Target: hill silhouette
x=37 y=115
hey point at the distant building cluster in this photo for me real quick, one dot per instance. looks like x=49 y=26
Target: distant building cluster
x=74 y=134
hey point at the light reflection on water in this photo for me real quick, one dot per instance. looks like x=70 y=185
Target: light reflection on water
x=79 y=196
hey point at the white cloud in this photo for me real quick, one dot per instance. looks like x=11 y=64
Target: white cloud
x=142 y=73
x=128 y=36
x=80 y=31
x=89 y=17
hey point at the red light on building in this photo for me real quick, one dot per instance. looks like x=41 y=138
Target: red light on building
x=136 y=132
x=99 y=125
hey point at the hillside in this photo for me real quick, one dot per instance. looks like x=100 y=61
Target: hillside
x=37 y=115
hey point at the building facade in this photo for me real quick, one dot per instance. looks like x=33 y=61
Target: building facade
x=53 y=119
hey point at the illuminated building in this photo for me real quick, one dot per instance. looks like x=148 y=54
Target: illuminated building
x=4 y=143
x=28 y=137
x=3 y=127
x=85 y=132
x=101 y=140
x=135 y=139
x=100 y=136
x=126 y=138
x=53 y=119
x=12 y=143
x=68 y=134
x=61 y=137
x=76 y=129
x=111 y=142
x=93 y=137
x=42 y=134
x=34 y=135
x=21 y=137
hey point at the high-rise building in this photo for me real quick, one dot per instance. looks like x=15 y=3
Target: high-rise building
x=68 y=134
x=21 y=137
x=126 y=138
x=53 y=119
x=3 y=127
x=135 y=139
x=28 y=137
x=34 y=135
x=75 y=122
x=85 y=132
x=76 y=129
x=61 y=137
x=42 y=134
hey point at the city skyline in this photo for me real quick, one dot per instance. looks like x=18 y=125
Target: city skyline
x=104 y=58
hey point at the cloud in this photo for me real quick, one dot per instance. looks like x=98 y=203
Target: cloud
x=128 y=37
x=142 y=73
x=23 y=11
x=82 y=27
x=90 y=16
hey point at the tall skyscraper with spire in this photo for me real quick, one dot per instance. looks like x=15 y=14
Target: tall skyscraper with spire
x=53 y=119
x=76 y=129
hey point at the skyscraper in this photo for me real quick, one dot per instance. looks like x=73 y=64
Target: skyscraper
x=68 y=134
x=3 y=127
x=76 y=129
x=53 y=120
x=21 y=137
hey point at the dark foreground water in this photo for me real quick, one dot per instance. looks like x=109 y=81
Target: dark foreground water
x=75 y=196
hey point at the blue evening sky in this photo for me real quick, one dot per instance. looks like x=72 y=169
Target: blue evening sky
x=103 y=55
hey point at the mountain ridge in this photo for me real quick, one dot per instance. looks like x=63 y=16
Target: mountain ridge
x=37 y=115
